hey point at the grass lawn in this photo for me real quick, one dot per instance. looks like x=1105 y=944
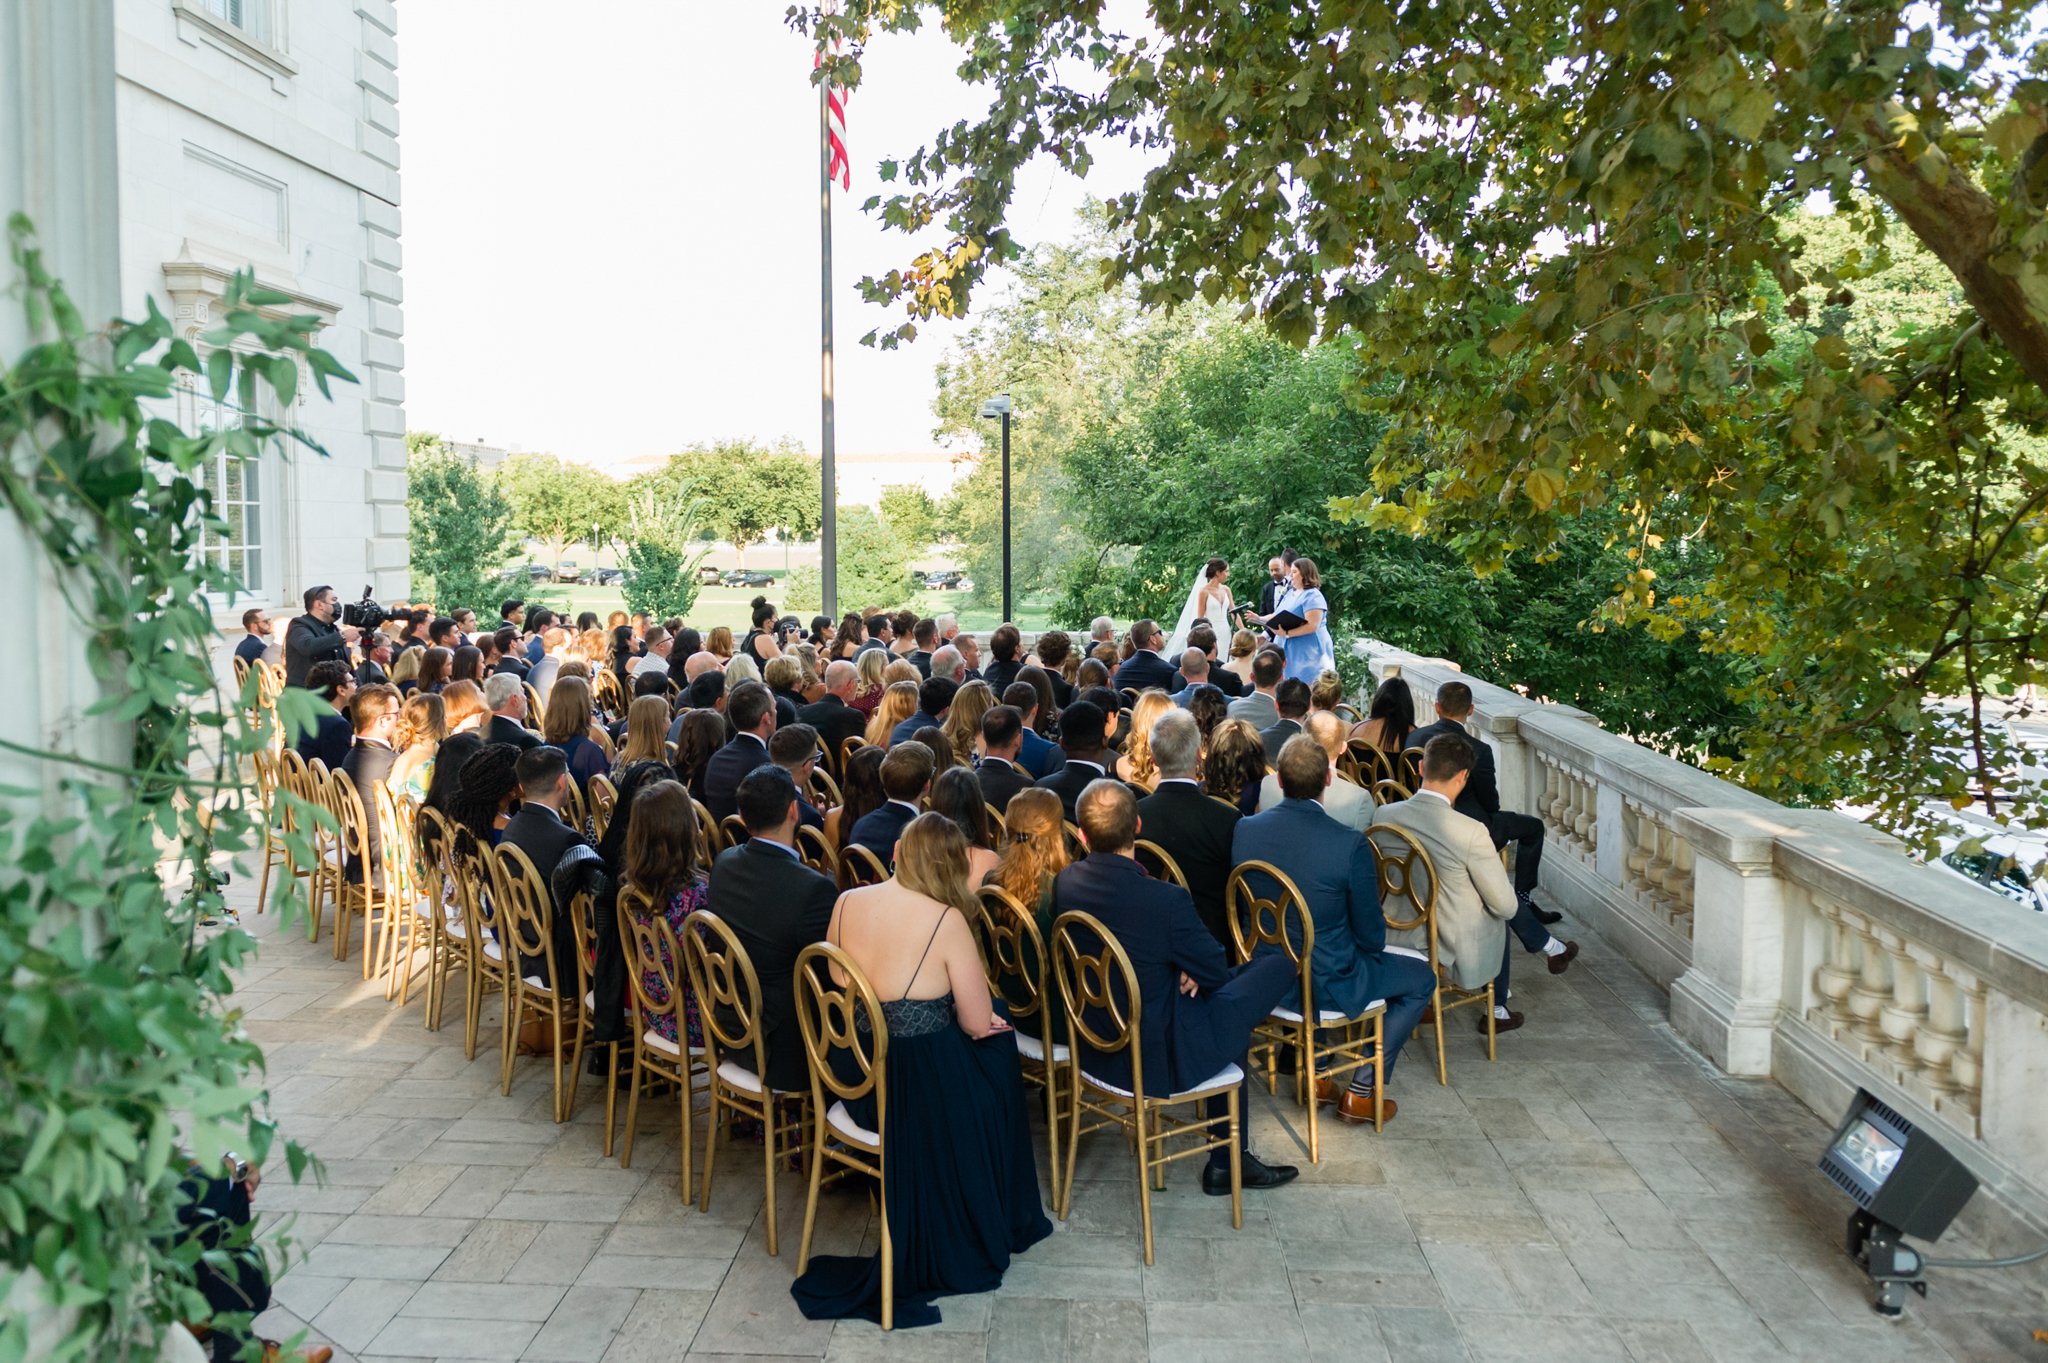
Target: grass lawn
x=728 y=605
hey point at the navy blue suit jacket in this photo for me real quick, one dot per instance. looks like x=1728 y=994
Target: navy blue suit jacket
x=1040 y=756
x=1157 y=925
x=329 y=742
x=907 y=730
x=878 y=829
x=1334 y=868
x=726 y=768
x=1144 y=669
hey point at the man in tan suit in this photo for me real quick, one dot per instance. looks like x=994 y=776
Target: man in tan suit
x=1348 y=804
x=1475 y=903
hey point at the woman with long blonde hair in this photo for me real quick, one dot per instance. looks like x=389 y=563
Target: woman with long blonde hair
x=405 y=671
x=899 y=703
x=1034 y=855
x=963 y=721
x=1136 y=765
x=422 y=724
x=867 y=692
x=902 y=670
x=646 y=734
x=463 y=706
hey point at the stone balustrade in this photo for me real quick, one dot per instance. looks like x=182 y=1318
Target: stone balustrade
x=1796 y=944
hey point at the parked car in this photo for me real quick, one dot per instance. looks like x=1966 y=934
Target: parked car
x=749 y=577
x=947 y=580
x=539 y=572
x=708 y=575
x=568 y=570
x=609 y=577
x=1997 y=857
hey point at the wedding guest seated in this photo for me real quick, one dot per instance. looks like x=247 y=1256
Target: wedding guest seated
x=660 y=844
x=1390 y=718
x=1101 y=630
x=776 y=906
x=1243 y=647
x=1004 y=647
x=795 y=750
x=1037 y=852
x=957 y=794
x=860 y=792
x=1197 y=1011
x=1083 y=727
x=255 y=640
x=554 y=642
x=1135 y=765
x=645 y=738
x=540 y=831
x=784 y=677
x=834 y=716
x=943 y=756
x=1346 y=802
x=951 y=664
x=963 y=1194
x=1326 y=692
x=924 y=636
x=1481 y=797
x=467 y=664
x=1090 y=672
x=1291 y=699
x=422 y=727
x=751 y=711
x=899 y=703
x=969 y=649
x=1031 y=696
x=906 y=775
x=1186 y=824
x=1259 y=708
x=405 y=670
x=869 y=663
x=505 y=695
x=568 y=726
x=330 y=739
x=377 y=654
x=510 y=659
x=1146 y=667
x=1002 y=739
x=368 y=765
x=1334 y=868
x=659 y=644
x=1473 y=897
x=963 y=720
x=435 y=664
x=934 y=699
x=1209 y=707
x=1054 y=651
x=1202 y=639
x=1235 y=765
x=701 y=735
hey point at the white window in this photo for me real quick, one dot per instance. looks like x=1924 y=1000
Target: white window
x=242 y=491
x=251 y=16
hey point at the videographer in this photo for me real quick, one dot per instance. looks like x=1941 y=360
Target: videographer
x=314 y=637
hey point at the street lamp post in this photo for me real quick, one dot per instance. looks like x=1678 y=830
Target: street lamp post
x=993 y=408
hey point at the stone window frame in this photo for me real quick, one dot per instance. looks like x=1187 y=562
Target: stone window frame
x=260 y=45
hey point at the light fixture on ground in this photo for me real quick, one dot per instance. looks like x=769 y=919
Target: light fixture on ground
x=1903 y=1183
x=990 y=410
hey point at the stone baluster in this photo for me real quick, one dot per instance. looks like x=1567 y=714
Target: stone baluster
x=1557 y=794
x=1943 y=1035
x=1676 y=880
x=1585 y=810
x=1836 y=974
x=1967 y=1064
x=1901 y=1017
x=1683 y=864
x=1873 y=987
x=1635 y=828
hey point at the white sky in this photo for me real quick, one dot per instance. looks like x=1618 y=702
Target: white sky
x=611 y=226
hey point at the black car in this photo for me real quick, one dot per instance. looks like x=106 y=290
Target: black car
x=749 y=577
x=539 y=572
x=946 y=580
x=609 y=577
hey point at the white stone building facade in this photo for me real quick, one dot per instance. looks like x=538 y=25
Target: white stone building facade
x=263 y=134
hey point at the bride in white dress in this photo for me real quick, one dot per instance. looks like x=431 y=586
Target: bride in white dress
x=1209 y=599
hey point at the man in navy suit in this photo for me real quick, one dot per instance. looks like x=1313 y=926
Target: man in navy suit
x=751 y=709
x=1146 y=667
x=1084 y=728
x=1334 y=869
x=333 y=736
x=934 y=698
x=1196 y=1013
x=1002 y=733
x=1038 y=755
x=906 y=775
x=1481 y=800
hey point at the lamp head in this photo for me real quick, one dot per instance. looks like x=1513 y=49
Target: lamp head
x=996 y=407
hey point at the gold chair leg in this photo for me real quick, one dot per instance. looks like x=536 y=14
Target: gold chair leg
x=710 y=1145
x=770 y=1147
x=1491 y=1054
x=576 y=1064
x=1307 y=1068
x=633 y=1117
x=1379 y=1072
x=1073 y=1137
x=1436 y=1009
x=1236 y=1168
x=1144 y=1177
x=611 y=1098
x=508 y=1039
x=562 y=1098
x=803 y=1249
x=1052 y=1125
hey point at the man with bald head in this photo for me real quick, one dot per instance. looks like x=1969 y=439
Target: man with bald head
x=1269 y=595
x=831 y=715
x=697 y=664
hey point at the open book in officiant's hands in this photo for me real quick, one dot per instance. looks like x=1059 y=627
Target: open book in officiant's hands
x=1280 y=621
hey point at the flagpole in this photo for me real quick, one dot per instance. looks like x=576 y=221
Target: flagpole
x=828 y=566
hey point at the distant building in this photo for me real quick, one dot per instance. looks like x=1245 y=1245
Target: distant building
x=485 y=457
x=263 y=134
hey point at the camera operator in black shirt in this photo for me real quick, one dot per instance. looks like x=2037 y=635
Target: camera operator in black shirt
x=314 y=637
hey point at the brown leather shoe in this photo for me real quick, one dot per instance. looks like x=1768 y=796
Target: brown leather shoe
x=1355 y=1108
x=273 y=1352
x=1326 y=1092
x=1502 y=1024
x=1562 y=961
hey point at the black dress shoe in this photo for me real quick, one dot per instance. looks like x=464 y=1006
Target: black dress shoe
x=1546 y=916
x=1253 y=1172
x=1502 y=1024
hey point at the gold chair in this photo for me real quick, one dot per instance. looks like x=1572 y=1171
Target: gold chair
x=572 y=805
x=859 y=866
x=1406 y=874
x=1408 y=767
x=483 y=958
x=848 y=746
x=826 y=1011
x=311 y=823
x=1389 y=791
x=604 y=798
x=583 y=926
x=729 y=1012
x=1013 y=958
x=823 y=790
x=526 y=928
x=277 y=821
x=363 y=896
x=1345 y=711
x=1159 y=863
x=813 y=847
x=536 y=708
x=1077 y=846
x=437 y=911
x=998 y=826
x=651 y=948
x=707 y=829
x=1258 y=921
x=732 y=831
x=1105 y=986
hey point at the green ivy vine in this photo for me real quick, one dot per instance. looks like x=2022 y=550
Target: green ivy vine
x=122 y=1054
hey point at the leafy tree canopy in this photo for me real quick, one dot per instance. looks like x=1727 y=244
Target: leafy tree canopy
x=659 y=549
x=874 y=567
x=559 y=502
x=746 y=489
x=911 y=513
x=1563 y=239
x=461 y=525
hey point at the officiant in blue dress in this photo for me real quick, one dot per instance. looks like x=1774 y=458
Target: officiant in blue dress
x=1306 y=645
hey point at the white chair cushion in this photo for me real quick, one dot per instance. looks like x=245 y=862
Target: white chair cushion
x=1324 y=1017
x=1229 y=1074
x=650 y=1037
x=457 y=926
x=492 y=950
x=424 y=908
x=535 y=982
x=1031 y=1048
x=741 y=1078
x=842 y=1122
x=1422 y=956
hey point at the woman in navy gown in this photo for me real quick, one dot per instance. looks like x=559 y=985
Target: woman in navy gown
x=962 y=1188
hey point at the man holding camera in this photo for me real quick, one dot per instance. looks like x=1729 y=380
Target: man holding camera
x=314 y=637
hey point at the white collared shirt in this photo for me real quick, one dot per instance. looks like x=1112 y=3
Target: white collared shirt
x=1434 y=795
x=907 y=805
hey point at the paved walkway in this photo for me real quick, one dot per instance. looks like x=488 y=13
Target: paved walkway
x=1598 y=1194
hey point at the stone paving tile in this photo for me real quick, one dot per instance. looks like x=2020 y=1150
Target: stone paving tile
x=1598 y=1193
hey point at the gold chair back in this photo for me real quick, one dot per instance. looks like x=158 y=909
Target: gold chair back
x=848 y=746
x=651 y=949
x=1077 y=847
x=1389 y=792
x=727 y=990
x=816 y=850
x=604 y=798
x=998 y=827
x=525 y=911
x=1258 y=920
x=1012 y=954
x=859 y=866
x=732 y=831
x=831 y=992
x=1159 y=863
x=572 y=804
x=824 y=791
x=1407 y=876
x=536 y=708
x=707 y=830
x=1099 y=979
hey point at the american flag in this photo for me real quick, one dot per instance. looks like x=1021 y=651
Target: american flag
x=840 y=167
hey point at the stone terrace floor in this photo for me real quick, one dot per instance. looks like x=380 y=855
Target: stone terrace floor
x=1600 y=1193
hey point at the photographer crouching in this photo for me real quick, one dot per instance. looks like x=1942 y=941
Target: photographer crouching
x=315 y=637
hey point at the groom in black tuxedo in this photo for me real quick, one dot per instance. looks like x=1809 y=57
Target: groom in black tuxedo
x=1146 y=667
x=1276 y=571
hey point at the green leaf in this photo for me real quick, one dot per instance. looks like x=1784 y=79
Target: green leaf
x=220 y=372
